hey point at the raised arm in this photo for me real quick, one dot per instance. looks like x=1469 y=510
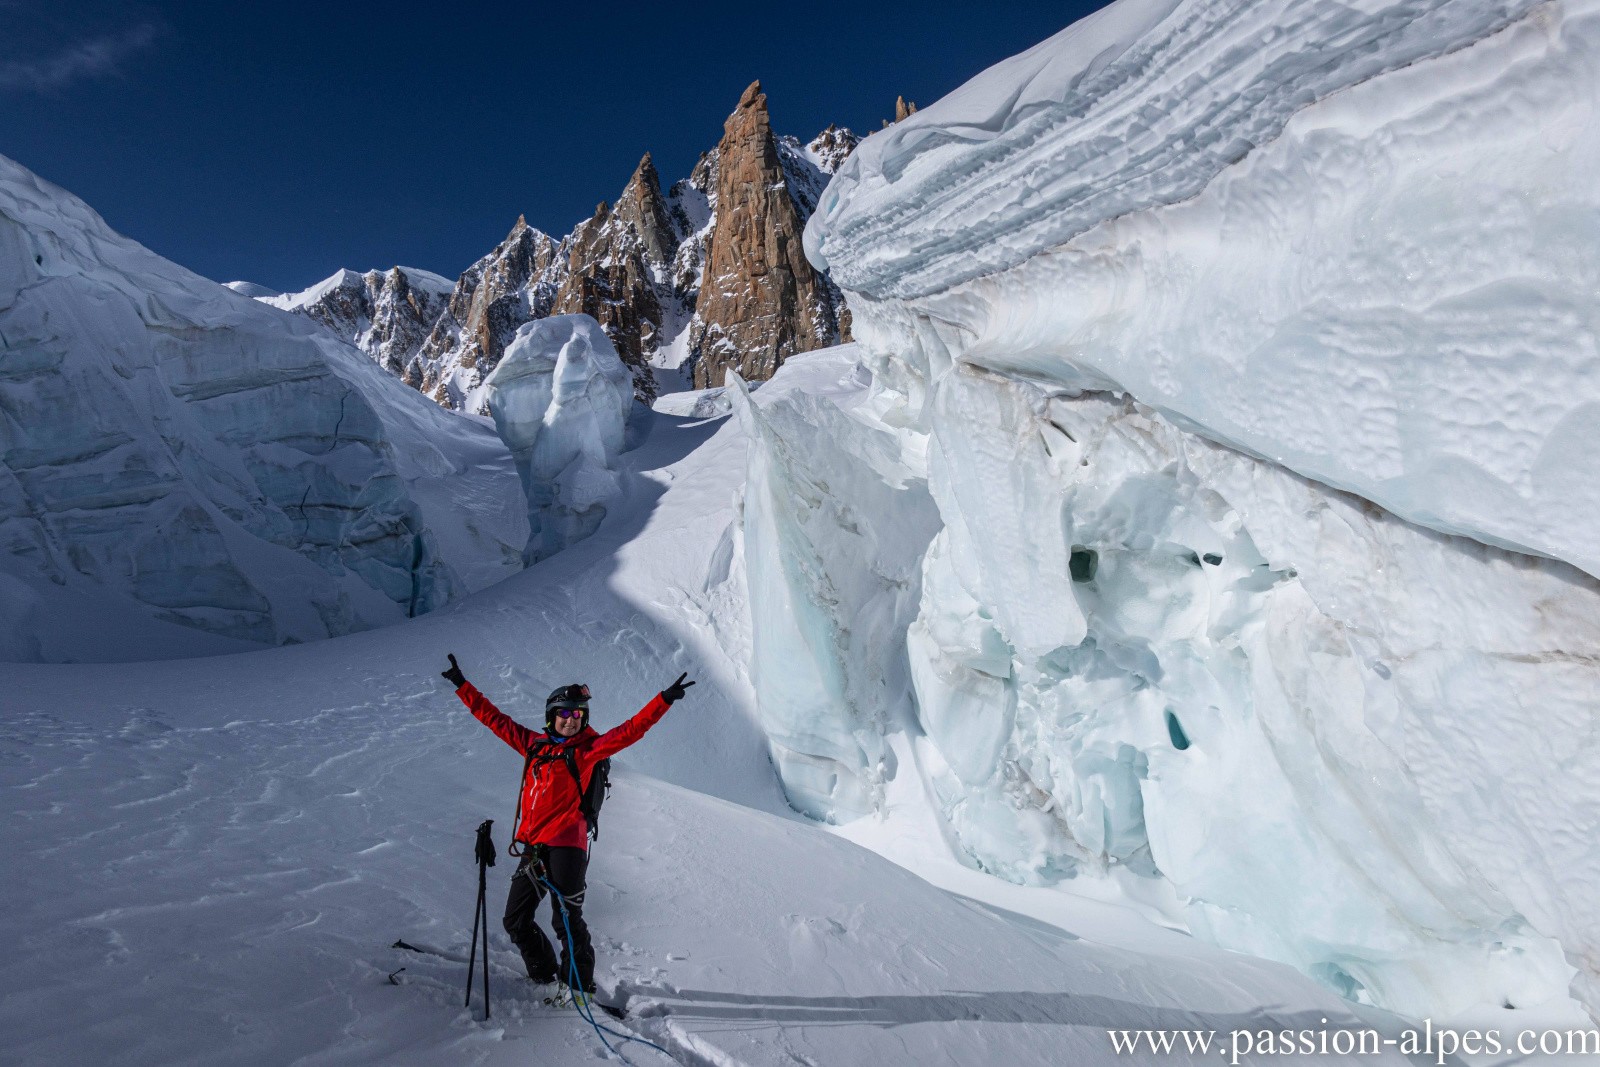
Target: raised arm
x=504 y=726
x=615 y=740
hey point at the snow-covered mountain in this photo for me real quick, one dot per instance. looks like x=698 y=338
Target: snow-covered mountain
x=251 y=289
x=1225 y=489
x=636 y=266
x=183 y=470
x=383 y=313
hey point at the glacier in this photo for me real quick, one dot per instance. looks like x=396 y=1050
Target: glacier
x=1209 y=511
x=560 y=398
x=185 y=471
x=216 y=870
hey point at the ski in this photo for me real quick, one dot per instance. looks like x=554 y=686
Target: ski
x=564 y=1000
x=429 y=951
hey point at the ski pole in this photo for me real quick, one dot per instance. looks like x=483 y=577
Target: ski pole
x=484 y=849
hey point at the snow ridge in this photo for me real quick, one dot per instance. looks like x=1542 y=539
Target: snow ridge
x=1136 y=106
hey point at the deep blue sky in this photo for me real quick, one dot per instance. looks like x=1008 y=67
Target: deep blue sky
x=279 y=142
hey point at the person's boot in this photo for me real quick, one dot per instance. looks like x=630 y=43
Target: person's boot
x=567 y=997
x=540 y=971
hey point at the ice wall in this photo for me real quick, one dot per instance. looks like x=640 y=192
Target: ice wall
x=1135 y=652
x=560 y=398
x=1358 y=240
x=1240 y=346
x=177 y=457
x=835 y=524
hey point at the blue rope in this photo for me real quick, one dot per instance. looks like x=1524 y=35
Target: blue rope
x=580 y=994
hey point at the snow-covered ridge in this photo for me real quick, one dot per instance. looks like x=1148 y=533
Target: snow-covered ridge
x=349 y=279
x=1135 y=106
x=251 y=289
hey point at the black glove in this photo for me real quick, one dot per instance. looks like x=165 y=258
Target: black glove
x=675 y=691
x=456 y=678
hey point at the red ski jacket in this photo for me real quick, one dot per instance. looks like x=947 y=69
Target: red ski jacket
x=549 y=812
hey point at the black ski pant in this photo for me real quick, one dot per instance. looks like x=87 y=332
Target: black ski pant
x=563 y=868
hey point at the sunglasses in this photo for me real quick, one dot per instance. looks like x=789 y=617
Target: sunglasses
x=571 y=713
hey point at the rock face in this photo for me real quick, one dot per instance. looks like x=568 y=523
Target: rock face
x=386 y=314
x=638 y=267
x=619 y=272
x=760 y=301
x=511 y=285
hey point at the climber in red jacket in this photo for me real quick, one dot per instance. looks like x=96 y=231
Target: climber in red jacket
x=551 y=833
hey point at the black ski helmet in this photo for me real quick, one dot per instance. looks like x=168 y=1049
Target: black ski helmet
x=567 y=696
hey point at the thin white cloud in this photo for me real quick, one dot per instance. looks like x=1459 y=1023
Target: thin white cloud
x=96 y=57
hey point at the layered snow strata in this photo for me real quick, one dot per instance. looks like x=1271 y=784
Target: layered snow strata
x=178 y=452
x=1359 y=241
x=560 y=398
x=1135 y=652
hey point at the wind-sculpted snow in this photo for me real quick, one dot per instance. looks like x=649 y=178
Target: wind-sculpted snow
x=1357 y=240
x=175 y=455
x=1138 y=655
x=1137 y=106
x=560 y=398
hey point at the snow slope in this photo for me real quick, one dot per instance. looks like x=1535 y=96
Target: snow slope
x=213 y=856
x=180 y=464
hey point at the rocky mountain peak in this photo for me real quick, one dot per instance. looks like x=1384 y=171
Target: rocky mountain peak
x=830 y=148
x=642 y=207
x=619 y=272
x=760 y=301
x=749 y=124
x=711 y=269
x=490 y=300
